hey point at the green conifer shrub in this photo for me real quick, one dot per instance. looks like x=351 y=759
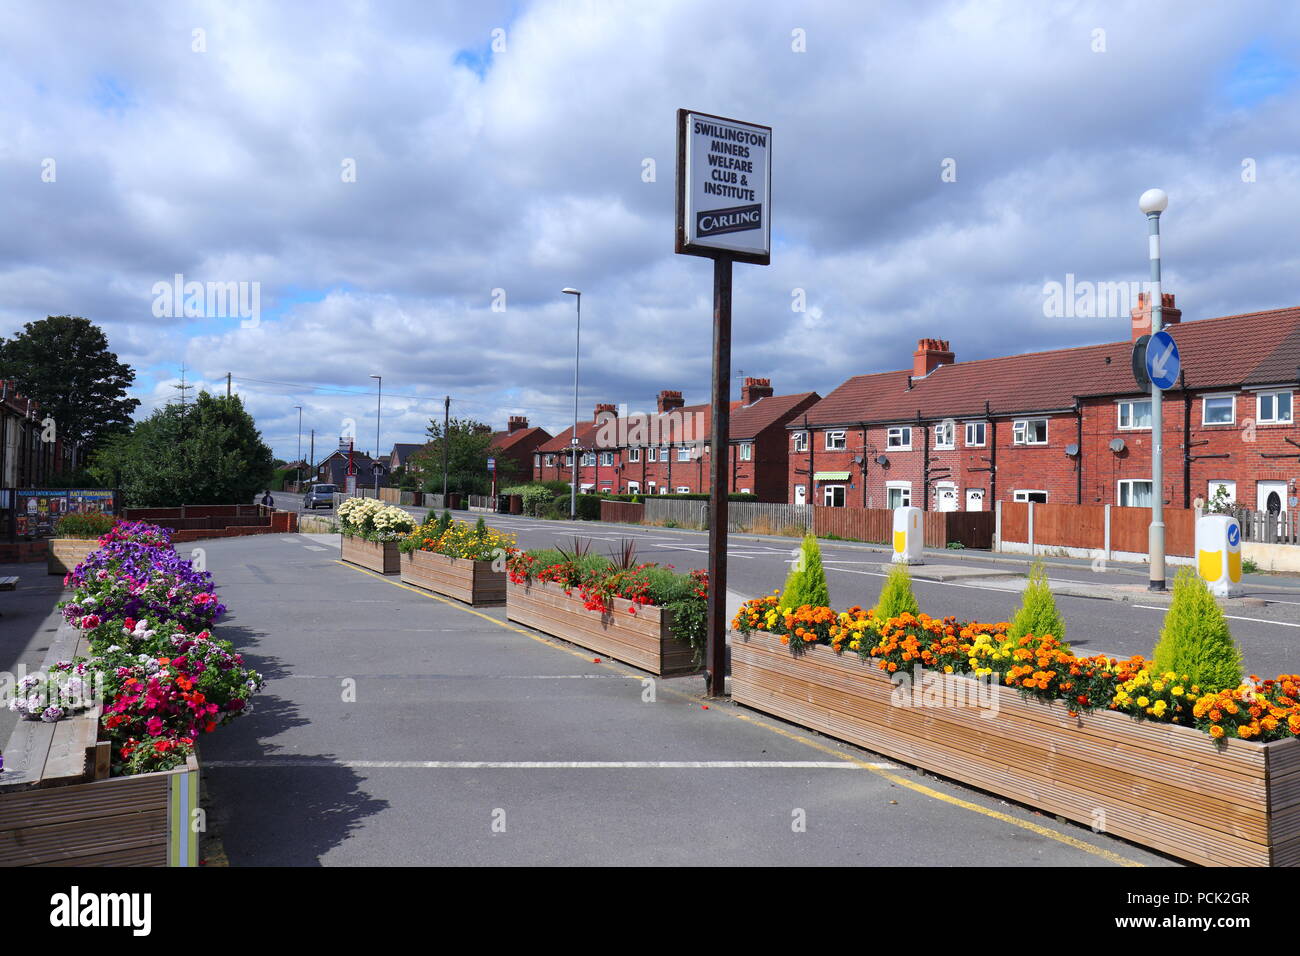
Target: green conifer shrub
x=806 y=582
x=896 y=596
x=1037 y=614
x=1195 y=639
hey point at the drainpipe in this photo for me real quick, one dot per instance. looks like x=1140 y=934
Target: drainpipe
x=1187 y=438
x=993 y=452
x=864 y=464
x=925 y=463
x=1078 y=438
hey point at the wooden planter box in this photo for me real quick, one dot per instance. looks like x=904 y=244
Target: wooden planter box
x=642 y=639
x=381 y=556
x=67 y=553
x=1166 y=787
x=473 y=582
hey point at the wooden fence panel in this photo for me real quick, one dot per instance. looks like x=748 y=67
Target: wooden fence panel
x=1069 y=526
x=764 y=517
x=973 y=529
x=625 y=512
x=873 y=525
x=1015 y=521
x=681 y=512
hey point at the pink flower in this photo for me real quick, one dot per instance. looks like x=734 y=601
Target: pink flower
x=89 y=622
x=154 y=726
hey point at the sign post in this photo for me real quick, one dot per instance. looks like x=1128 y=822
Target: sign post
x=724 y=205
x=492 y=469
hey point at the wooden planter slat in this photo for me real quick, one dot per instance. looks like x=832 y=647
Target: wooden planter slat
x=473 y=582
x=66 y=553
x=643 y=639
x=379 y=556
x=1164 y=786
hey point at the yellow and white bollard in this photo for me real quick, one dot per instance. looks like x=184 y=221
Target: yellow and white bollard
x=909 y=536
x=1218 y=554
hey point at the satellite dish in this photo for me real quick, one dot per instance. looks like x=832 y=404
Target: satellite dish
x=882 y=461
x=857 y=459
x=1117 y=444
x=1072 y=449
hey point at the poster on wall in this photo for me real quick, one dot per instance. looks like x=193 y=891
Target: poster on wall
x=38 y=510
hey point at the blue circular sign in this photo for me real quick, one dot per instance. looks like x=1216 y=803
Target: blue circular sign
x=1162 y=361
x=1234 y=535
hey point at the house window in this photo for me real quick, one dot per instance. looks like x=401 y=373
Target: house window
x=1219 y=410
x=550 y=460
x=684 y=453
x=835 y=441
x=1030 y=431
x=663 y=489
x=900 y=439
x=800 y=441
x=634 y=455
x=633 y=487
x=588 y=459
x=607 y=458
x=898 y=494
x=665 y=453
x=833 y=496
x=975 y=434
x=537 y=461
x=683 y=489
x=945 y=435
x=1134 y=414
x=1221 y=491
x=743 y=491
x=568 y=459
x=746 y=451
x=1038 y=497
x=1134 y=493
x=1273 y=408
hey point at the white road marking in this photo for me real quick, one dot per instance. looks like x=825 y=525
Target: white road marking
x=1231 y=617
x=315 y=547
x=550 y=764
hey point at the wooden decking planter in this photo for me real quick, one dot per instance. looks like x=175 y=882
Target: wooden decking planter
x=644 y=639
x=381 y=556
x=1163 y=786
x=67 y=553
x=473 y=582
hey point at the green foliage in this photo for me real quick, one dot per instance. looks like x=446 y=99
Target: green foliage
x=806 y=582
x=480 y=527
x=896 y=596
x=1037 y=614
x=205 y=452
x=63 y=363
x=1195 y=639
x=89 y=525
x=1248 y=566
x=468 y=449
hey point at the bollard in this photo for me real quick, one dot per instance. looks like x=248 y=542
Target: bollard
x=909 y=536
x=1218 y=554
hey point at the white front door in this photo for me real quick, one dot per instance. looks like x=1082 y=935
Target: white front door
x=974 y=499
x=947 y=497
x=1271 y=496
x=800 y=494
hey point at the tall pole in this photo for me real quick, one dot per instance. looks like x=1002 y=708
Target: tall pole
x=573 y=442
x=719 y=439
x=1153 y=205
x=379 y=405
x=228 y=395
x=299 y=464
x=313 y=454
x=446 y=444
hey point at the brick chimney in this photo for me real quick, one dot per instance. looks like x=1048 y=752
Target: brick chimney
x=1142 y=314
x=604 y=409
x=516 y=423
x=754 y=389
x=929 y=355
x=669 y=400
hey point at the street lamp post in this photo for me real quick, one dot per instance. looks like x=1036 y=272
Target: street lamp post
x=298 y=464
x=379 y=404
x=1153 y=202
x=573 y=443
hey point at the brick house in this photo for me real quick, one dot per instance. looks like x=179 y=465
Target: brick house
x=25 y=460
x=333 y=469
x=667 y=451
x=1066 y=426
x=516 y=445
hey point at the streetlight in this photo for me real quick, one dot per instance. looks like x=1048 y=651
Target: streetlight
x=298 y=465
x=379 y=404
x=1153 y=203
x=573 y=443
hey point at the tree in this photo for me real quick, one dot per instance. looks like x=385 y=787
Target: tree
x=63 y=363
x=1195 y=640
x=469 y=448
x=896 y=596
x=206 y=452
x=1037 y=614
x=806 y=583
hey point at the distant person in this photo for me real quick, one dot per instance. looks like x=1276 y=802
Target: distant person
x=267 y=499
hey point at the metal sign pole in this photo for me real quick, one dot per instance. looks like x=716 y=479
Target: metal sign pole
x=719 y=438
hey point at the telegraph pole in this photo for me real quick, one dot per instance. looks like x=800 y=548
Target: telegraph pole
x=446 y=444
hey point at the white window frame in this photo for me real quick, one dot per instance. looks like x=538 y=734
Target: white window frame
x=1274 y=393
x=984 y=434
x=897 y=433
x=607 y=458
x=633 y=487
x=568 y=459
x=951 y=443
x=1213 y=484
x=1232 y=400
x=800 y=441
x=550 y=461
x=683 y=489
x=652 y=454
x=1119 y=491
x=746 y=451
x=1022 y=494
x=683 y=453
x=588 y=459
x=1130 y=403
x=828 y=493
x=743 y=491
x=633 y=455
x=537 y=461
x=905 y=489
x=1020 y=432
x=837 y=441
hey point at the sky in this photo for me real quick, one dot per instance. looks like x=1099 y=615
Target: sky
x=403 y=188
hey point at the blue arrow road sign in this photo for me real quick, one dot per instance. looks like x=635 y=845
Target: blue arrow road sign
x=1234 y=535
x=1162 y=361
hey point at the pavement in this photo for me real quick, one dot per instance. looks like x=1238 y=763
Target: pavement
x=399 y=728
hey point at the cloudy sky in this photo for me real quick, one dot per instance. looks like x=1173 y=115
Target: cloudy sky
x=384 y=173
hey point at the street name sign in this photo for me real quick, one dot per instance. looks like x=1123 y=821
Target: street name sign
x=724 y=185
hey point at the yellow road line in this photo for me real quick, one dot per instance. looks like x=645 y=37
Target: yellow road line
x=1064 y=838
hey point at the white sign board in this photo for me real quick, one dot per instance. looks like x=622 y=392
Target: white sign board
x=724 y=180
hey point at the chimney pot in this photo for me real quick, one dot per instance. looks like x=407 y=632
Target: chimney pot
x=670 y=399
x=754 y=389
x=516 y=423
x=1141 y=316
x=929 y=355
